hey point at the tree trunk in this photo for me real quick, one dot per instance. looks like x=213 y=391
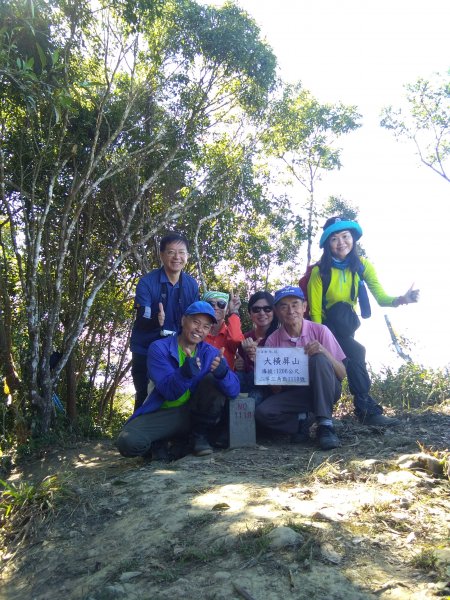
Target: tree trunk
x=6 y=359
x=71 y=389
x=310 y=222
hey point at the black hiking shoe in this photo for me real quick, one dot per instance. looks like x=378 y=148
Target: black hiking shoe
x=179 y=447
x=327 y=437
x=379 y=420
x=302 y=436
x=160 y=451
x=221 y=439
x=201 y=446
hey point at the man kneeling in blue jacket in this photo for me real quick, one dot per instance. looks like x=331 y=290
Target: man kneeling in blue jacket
x=192 y=381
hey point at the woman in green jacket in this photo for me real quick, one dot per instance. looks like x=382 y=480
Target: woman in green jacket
x=335 y=286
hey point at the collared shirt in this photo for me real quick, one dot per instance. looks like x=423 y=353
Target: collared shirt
x=149 y=292
x=310 y=332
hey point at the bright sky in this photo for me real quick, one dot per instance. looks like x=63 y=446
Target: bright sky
x=362 y=53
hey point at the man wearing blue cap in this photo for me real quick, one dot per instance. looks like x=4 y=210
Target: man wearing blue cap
x=291 y=408
x=192 y=381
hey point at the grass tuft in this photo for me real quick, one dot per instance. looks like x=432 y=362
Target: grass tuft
x=425 y=560
x=25 y=505
x=254 y=541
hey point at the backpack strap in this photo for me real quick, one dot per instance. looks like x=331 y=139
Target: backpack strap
x=178 y=301
x=326 y=280
x=163 y=295
x=360 y=271
x=363 y=296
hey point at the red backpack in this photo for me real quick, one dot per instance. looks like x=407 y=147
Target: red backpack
x=303 y=285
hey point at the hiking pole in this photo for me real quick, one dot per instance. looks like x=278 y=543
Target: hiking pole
x=395 y=341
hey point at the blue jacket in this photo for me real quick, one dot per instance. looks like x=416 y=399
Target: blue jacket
x=164 y=370
x=152 y=289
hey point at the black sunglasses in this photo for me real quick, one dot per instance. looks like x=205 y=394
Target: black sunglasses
x=258 y=309
x=218 y=303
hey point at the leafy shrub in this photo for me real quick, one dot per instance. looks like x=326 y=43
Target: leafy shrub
x=411 y=386
x=90 y=425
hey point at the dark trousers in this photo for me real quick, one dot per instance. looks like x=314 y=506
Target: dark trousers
x=137 y=435
x=358 y=377
x=280 y=411
x=200 y=414
x=140 y=378
x=206 y=405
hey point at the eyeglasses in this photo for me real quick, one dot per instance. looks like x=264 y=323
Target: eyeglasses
x=172 y=253
x=217 y=303
x=258 y=309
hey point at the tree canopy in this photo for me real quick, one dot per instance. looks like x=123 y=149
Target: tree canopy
x=302 y=133
x=425 y=121
x=107 y=112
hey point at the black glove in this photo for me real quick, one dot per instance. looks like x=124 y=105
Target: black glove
x=221 y=370
x=190 y=368
x=145 y=324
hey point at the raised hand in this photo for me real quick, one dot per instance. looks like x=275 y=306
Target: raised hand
x=249 y=347
x=234 y=304
x=411 y=295
x=239 y=364
x=219 y=365
x=161 y=315
x=314 y=347
x=189 y=355
x=217 y=359
x=191 y=366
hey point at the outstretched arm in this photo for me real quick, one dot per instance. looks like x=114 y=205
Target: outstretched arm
x=410 y=297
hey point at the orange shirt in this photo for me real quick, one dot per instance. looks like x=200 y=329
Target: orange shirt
x=229 y=337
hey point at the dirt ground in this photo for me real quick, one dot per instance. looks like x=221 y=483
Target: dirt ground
x=273 y=522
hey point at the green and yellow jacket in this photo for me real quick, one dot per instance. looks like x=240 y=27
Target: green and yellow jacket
x=340 y=289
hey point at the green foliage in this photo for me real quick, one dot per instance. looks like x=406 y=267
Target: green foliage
x=425 y=560
x=108 y=116
x=425 y=120
x=302 y=133
x=94 y=426
x=336 y=205
x=301 y=125
x=254 y=541
x=90 y=424
x=7 y=436
x=24 y=506
x=62 y=433
x=411 y=386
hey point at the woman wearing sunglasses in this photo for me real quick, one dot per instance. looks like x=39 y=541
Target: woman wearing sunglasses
x=260 y=308
x=225 y=334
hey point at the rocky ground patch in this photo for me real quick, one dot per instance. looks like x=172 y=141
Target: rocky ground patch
x=274 y=522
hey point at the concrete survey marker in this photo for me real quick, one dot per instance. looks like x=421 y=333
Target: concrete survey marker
x=242 y=421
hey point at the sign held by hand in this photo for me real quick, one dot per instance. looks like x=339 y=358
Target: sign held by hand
x=281 y=366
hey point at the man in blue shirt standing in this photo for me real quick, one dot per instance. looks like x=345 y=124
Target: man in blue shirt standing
x=161 y=298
